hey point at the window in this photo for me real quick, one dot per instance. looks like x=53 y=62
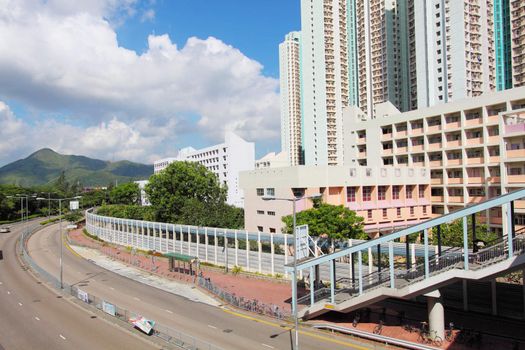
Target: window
x=260 y=192
x=398 y=212
x=425 y=210
x=272 y=230
x=270 y=192
x=271 y=213
x=385 y=214
x=260 y=228
x=412 y=211
x=260 y=212
x=421 y=191
x=395 y=192
x=381 y=193
x=408 y=191
x=350 y=194
x=367 y=193
x=369 y=214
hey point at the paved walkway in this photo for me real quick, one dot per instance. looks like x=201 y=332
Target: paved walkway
x=155 y=270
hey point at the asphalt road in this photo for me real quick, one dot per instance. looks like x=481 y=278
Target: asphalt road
x=32 y=317
x=221 y=327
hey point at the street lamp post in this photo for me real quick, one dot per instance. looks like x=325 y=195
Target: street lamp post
x=294 y=289
x=60 y=231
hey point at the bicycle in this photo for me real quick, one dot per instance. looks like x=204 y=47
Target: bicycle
x=357 y=317
x=379 y=328
x=409 y=328
x=449 y=333
x=435 y=339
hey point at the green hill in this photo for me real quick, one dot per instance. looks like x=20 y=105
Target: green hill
x=45 y=166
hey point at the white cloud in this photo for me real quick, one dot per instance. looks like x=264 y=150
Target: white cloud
x=59 y=55
x=148 y=15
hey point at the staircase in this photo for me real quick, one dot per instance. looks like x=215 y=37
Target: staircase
x=347 y=294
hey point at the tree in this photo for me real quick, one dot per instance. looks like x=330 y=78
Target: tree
x=184 y=189
x=452 y=234
x=335 y=221
x=126 y=193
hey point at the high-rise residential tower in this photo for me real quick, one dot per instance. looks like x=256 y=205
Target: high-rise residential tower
x=290 y=79
x=517 y=29
x=455 y=49
x=324 y=70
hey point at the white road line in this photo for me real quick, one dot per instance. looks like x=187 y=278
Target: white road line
x=61 y=336
x=20 y=304
x=268 y=346
x=8 y=292
x=1 y=283
x=111 y=288
x=36 y=318
x=168 y=311
x=212 y=326
x=136 y=298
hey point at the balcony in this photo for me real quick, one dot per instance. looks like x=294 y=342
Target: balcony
x=452 y=125
x=434 y=128
x=473 y=122
x=362 y=154
x=475 y=180
x=417 y=148
x=493 y=119
x=416 y=132
x=388 y=151
x=454 y=161
x=475 y=160
x=454 y=143
x=402 y=149
x=455 y=181
x=436 y=163
x=385 y=137
x=516 y=179
x=519 y=204
x=494 y=180
x=493 y=140
x=436 y=181
x=402 y=133
x=476 y=199
x=475 y=141
x=438 y=199
x=455 y=199
x=494 y=159
x=515 y=153
x=514 y=129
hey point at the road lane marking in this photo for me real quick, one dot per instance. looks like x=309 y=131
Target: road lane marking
x=212 y=326
x=8 y=292
x=61 y=336
x=137 y=299
x=169 y=311
x=20 y=304
x=64 y=242
x=1 y=283
x=268 y=346
x=111 y=288
x=320 y=337
x=36 y=318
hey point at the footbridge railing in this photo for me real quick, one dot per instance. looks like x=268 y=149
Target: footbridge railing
x=395 y=272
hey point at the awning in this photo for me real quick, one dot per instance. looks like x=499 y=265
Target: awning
x=181 y=257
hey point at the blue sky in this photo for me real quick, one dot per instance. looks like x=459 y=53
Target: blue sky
x=139 y=79
x=255 y=29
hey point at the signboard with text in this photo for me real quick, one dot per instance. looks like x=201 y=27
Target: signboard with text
x=83 y=296
x=73 y=205
x=301 y=241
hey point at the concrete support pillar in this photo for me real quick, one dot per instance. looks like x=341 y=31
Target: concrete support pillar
x=236 y=249
x=412 y=255
x=436 y=313
x=272 y=255
x=198 y=243
x=494 y=297
x=206 y=242
x=285 y=253
x=465 y=296
x=215 y=245
x=247 y=251
x=259 y=252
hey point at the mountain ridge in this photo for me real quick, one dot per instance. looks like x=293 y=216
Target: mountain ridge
x=45 y=165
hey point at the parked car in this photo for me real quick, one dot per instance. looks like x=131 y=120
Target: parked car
x=5 y=229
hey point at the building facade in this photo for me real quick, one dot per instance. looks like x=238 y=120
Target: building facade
x=290 y=80
x=474 y=148
x=386 y=197
x=225 y=160
x=517 y=30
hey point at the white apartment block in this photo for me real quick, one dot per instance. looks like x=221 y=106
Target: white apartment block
x=474 y=148
x=272 y=160
x=225 y=160
x=455 y=50
x=324 y=71
x=290 y=80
